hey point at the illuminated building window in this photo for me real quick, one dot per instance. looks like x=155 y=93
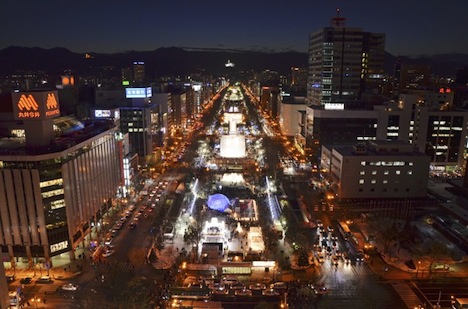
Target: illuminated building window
x=386 y=172
x=363 y=163
x=373 y=181
x=374 y=172
x=361 y=181
x=385 y=181
x=397 y=172
x=48 y=183
x=52 y=193
x=410 y=172
x=362 y=173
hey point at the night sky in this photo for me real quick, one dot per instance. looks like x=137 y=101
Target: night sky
x=412 y=27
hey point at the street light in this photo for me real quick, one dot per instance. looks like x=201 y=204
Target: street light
x=417 y=271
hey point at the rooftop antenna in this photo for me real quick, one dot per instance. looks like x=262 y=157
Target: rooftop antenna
x=338 y=21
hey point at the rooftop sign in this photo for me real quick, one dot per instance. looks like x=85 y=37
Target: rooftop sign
x=35 y=105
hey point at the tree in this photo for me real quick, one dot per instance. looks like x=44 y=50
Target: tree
x=194 y=232
x=386 y=230
x=135 y=295
x=303 y=258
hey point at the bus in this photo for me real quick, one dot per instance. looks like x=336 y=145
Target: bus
x=460 y=303
x=344 y=230
x=190 y=293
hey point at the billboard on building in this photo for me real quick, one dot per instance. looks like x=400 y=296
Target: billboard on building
x=35 y=105
x=138 y=93
x=102 y=113
x=68 y=80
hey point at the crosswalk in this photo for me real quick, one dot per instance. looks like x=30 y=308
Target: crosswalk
x=408 y=296
x=114 y=266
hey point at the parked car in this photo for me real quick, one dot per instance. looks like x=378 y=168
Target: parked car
x=26 y=280
x=44 y=279
x=10 y=278
x=70 y=287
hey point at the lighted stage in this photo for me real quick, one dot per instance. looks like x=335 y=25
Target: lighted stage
x=232 y=146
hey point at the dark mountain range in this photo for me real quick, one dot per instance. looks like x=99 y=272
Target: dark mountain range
x=179 y=61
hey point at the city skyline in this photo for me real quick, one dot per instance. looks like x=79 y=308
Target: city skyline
x=110 y=27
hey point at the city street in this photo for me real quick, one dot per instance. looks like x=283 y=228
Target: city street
x=148 y=243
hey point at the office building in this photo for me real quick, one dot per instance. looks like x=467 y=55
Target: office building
x=376 y=170
x=139 y=76
x=57 y=179
x=326 y=126
x=343 y=63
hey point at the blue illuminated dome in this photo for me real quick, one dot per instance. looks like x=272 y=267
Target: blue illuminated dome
x=218 y=202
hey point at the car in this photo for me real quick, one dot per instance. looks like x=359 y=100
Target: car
x=330 y=228
x=26 y=280
x=319 y=223
x=334 y=260
x=338 y=253
x=320 y=289
x=278 y=285
x=108 y=252
x=333 y=236
x=270 y=292
x=360 y=256
x=346 y=258
x=132 y=225
x=108 y=241
x=320 y=258
x=10 y=278
x=257 y=286
x=44 y=279
x=70 y=287
x=243 y=292
x=220 y=291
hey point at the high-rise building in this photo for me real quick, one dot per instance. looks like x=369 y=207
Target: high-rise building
x=138 y=73
x=343 y=62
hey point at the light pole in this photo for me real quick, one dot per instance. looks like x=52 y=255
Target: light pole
x=419 y=267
